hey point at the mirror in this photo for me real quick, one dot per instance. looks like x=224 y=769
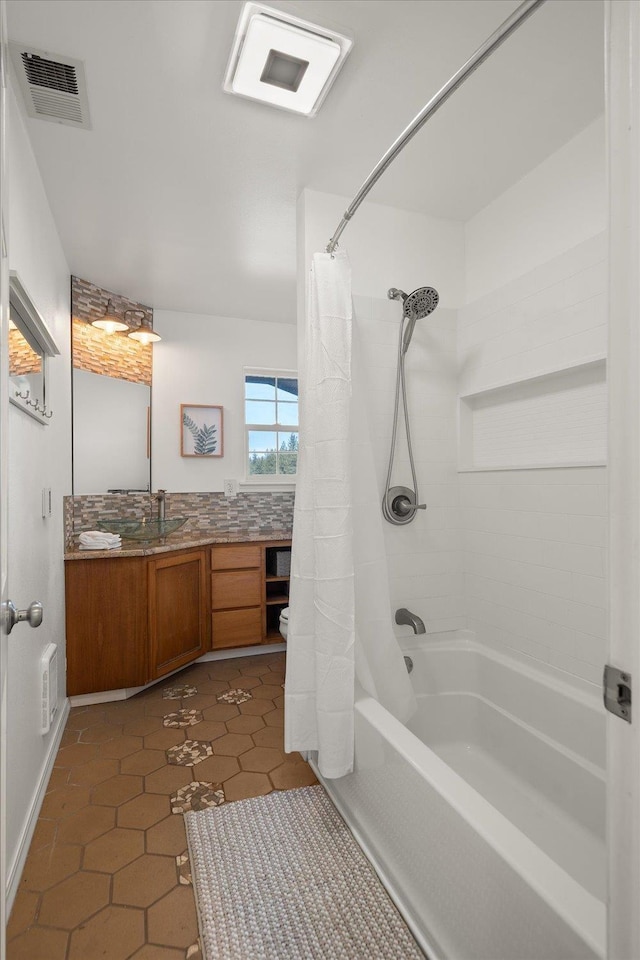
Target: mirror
x=30 y=343
x=111 y=395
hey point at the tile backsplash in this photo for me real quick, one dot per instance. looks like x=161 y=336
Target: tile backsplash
x=254 y=512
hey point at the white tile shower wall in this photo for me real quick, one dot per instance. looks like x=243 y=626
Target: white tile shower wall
x=425 y=559
x=534 y=541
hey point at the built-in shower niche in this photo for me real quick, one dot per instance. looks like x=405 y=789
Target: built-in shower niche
x=557 y=419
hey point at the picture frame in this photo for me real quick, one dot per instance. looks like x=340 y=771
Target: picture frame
x=201 y=430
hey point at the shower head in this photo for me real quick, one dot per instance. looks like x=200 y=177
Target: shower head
x=416 y=306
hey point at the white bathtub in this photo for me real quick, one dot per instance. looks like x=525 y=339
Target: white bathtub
x=485 y=816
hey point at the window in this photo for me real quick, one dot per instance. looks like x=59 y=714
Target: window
x=271 y=425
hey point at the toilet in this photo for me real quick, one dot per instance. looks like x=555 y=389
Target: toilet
x=284 y=622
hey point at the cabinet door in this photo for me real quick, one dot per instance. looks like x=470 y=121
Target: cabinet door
x=178 y=610
x=106 y=602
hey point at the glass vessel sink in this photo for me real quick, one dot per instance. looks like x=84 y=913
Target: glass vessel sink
x=145 y=529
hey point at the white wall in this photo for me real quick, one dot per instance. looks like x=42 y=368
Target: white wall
x=534 y=541
x=555 y=207
x=387 y=247
x=394 y=248
x=201 y=360
x=40 y=456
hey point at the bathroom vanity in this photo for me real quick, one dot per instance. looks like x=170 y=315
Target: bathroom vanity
x=135 y=615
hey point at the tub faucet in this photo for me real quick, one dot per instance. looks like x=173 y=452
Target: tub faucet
x=411 y=619
x=161 y=497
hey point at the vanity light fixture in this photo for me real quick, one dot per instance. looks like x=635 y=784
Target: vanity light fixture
x=110 y=323
x=144 y=332
x=282 y=60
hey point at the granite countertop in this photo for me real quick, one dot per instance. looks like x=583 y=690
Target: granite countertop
x=180 y=540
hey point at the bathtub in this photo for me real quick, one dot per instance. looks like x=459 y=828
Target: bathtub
x=485 y=815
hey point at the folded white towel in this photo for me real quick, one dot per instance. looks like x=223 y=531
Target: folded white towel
x=99 y=540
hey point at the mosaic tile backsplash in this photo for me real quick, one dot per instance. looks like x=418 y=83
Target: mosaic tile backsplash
x=261 y=513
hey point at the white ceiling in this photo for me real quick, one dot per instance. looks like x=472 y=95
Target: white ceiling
x=183 y=197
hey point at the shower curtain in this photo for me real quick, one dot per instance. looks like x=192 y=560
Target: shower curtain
x=340 y=623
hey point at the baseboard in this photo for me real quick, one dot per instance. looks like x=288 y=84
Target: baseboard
x=15 y=870
x=236 y=652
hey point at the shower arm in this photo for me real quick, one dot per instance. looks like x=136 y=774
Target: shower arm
x=509 y=26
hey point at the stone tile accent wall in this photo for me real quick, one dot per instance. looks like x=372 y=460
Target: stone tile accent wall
x=22 y=359
x=113 y=355
x=260 y=513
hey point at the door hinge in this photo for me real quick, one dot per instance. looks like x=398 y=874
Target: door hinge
x=616 y=692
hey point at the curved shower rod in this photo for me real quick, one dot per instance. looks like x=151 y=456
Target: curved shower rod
x=519 y=15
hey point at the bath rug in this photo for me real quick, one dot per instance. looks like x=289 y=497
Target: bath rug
x=280 y=877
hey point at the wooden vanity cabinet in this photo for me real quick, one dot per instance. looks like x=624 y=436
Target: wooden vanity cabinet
x=178 y=610
x=106 y=605
x=131 y=620
x=246 y=599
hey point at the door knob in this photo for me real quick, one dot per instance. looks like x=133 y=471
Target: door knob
x=10 y=616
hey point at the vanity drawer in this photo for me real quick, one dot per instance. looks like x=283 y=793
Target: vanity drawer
x=236 y=557
x=236 y=628
x=236 y=588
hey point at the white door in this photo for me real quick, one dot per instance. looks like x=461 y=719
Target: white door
x=623 y=738
x=4 y=395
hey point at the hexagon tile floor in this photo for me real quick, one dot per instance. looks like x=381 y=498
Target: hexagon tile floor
x=107 y=876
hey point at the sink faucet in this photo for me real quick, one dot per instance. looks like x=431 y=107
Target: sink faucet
x=404 y=616
x=161 y=497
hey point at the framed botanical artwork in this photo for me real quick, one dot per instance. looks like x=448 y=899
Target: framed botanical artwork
x=200 y=430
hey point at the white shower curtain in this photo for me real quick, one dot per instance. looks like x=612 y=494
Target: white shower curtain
x=340 y=622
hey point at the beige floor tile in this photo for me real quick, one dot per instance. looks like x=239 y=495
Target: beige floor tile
x=113 y=850
x=261 y=759
x=142 y=726
x=143 y=811
x=209 y=730
x=232 y=745
x=217 y=769
x=94 y=772
x=167 y=837
x=39 y=943
x=245 y=724
x=86 y=825
x=75 y=753
x=117 y=790
x=172 y=921
x=121 y=747
x=100 y=732
x=288 y=776
x=267 y=691
x=45 y=833
x=144 y=881
x=49 y=865
x=245 y=785
x=269 y=737
x=22 y=912
x=113 y=934
x=74 y=900
x=275 y=718
x=221 y=712
x=143 y=762
x=105 y=854
x=168 y=779
x=152 y=952
x=256 y=669
x=256 y=708
x=59 y=778
x=64 y=801
x=165 y=738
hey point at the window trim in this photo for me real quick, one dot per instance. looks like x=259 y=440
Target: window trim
x=275 y=479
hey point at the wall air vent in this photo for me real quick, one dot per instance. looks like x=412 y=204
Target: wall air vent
x=53 y=87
